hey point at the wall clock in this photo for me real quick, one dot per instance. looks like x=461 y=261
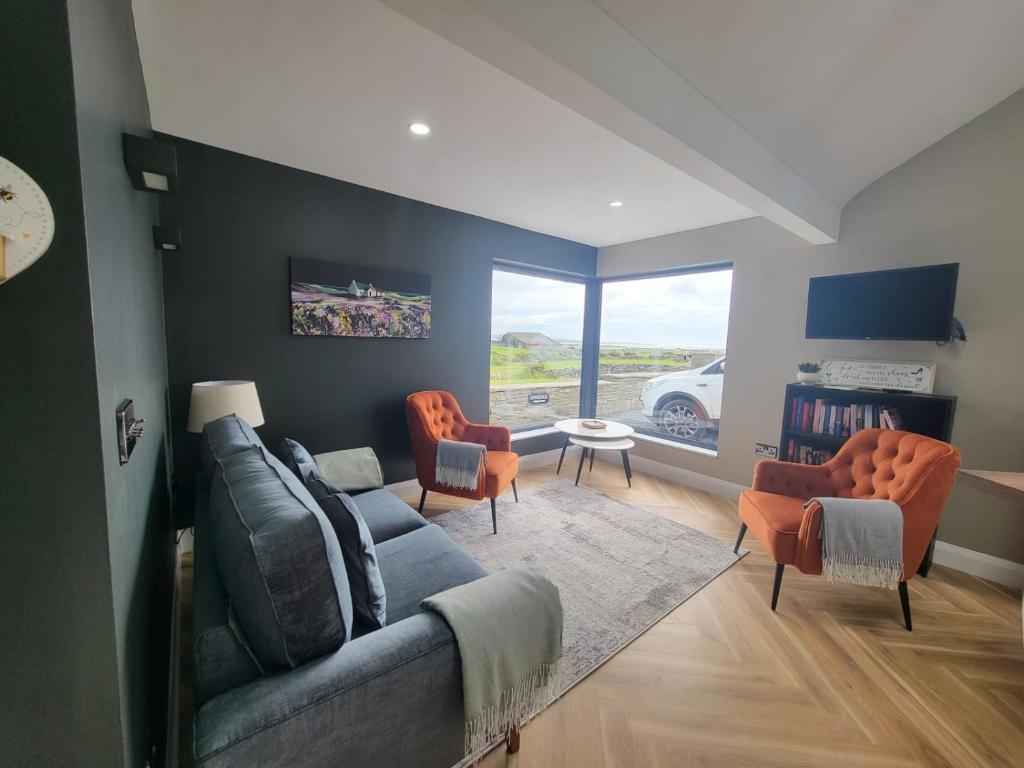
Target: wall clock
x=26 y=220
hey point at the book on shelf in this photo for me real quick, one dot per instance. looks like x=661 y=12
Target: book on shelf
x=806 y=454
x=820 y=416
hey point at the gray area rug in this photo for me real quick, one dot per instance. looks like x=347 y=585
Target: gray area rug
x=618 y=568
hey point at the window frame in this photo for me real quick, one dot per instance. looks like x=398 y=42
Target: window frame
x=591 y=347
x=548 y=273
x=718 y=266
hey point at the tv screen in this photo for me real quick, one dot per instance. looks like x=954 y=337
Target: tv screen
x=914 y=303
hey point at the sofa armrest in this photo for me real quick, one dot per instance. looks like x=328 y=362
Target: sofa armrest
x=801 y=481
x=392 y=697
x=494 y=436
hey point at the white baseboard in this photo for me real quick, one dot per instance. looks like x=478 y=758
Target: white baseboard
x=979 y=564
x=677 y=474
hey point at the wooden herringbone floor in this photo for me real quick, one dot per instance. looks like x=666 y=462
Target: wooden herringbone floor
x=833 y=679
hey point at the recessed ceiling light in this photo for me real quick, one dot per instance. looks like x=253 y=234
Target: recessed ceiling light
x=420 y=129
x=615 y=203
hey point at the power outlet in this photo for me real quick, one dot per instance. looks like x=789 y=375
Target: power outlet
x=766 y=451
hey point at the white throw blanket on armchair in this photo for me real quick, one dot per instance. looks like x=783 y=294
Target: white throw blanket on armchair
x=861 y=541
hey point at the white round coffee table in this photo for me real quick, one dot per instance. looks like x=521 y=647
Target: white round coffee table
x=614 y=436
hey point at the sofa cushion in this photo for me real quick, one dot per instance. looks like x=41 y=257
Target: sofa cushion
x=221 y=659
x=280 y=560
x=386 y=515
x=420 y=564
x=298 y=460
x=225 y=437
x=352 y=470
x=365 y=584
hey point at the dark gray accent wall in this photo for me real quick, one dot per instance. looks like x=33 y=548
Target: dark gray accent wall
x=227 y=301
x=58 y=677
x=131 y=362
x=84 y=576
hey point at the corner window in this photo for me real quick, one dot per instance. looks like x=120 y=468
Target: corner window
x=536 y=345
x=662 y=364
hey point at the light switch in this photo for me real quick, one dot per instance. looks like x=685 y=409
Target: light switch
x=129 y=430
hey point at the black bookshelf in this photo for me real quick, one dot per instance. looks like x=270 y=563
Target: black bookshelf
x=930 y=415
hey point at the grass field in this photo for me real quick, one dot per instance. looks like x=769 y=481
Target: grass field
x=510 y=365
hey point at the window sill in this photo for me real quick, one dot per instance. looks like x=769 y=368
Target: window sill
x=673 y=444
x=539 y=432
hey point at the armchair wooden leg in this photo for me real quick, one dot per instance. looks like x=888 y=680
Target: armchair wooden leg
x=423 y=498
x=515 y=491
x=779 y=568
x=926 y=562
x=739 y=539
x=905 y=602
x=512 y=741
x=494 y=515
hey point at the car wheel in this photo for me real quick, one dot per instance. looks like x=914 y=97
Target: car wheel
x=683 y=418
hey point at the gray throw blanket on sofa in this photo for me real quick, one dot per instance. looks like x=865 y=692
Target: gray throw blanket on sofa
x=508 y=627
x=458 y=464
x=861 y=541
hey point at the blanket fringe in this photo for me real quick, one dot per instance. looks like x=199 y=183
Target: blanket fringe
x=866 y=571
x=454 y=477
x=514 y=707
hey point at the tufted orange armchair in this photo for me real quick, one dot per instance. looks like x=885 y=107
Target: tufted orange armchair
x=435 y=415
x=915 y=471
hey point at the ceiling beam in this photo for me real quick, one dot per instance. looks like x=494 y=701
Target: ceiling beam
x=573 y=52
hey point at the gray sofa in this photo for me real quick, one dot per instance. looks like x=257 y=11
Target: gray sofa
x=392 y=697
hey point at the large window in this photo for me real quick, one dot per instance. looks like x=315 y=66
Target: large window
x=536 y=342
x=662 y=353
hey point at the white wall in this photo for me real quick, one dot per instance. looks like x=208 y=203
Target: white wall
x=961 y=200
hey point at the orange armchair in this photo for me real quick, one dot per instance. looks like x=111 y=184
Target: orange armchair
x=914 y=471
x=435 y=415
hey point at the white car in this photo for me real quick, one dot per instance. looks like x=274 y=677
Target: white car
x=686 y=404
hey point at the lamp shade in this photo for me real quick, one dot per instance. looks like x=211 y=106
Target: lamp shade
x=213 y=399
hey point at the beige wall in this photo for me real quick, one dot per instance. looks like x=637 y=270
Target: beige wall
x=961 y=200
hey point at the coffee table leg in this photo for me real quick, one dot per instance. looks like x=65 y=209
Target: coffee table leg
x=564 y=446
x=579 y=470
x=592 y=452
x=628 y=470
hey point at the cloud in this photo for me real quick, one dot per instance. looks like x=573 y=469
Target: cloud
x=688 y=310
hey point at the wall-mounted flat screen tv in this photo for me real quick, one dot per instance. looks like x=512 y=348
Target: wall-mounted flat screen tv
x=915 y=303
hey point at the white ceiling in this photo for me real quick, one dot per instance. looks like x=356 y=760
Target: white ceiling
x=331 y=86
x=841 y=91
x=693 y=112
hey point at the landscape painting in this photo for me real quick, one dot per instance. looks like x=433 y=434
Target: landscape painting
x=333 y=299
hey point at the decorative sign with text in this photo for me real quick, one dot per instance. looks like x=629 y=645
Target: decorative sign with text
x=879 y=374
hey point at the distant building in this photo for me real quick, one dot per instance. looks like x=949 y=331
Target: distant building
x=528 y=341
x=362 y=290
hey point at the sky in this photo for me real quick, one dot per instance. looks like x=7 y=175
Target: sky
x=677 y=311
